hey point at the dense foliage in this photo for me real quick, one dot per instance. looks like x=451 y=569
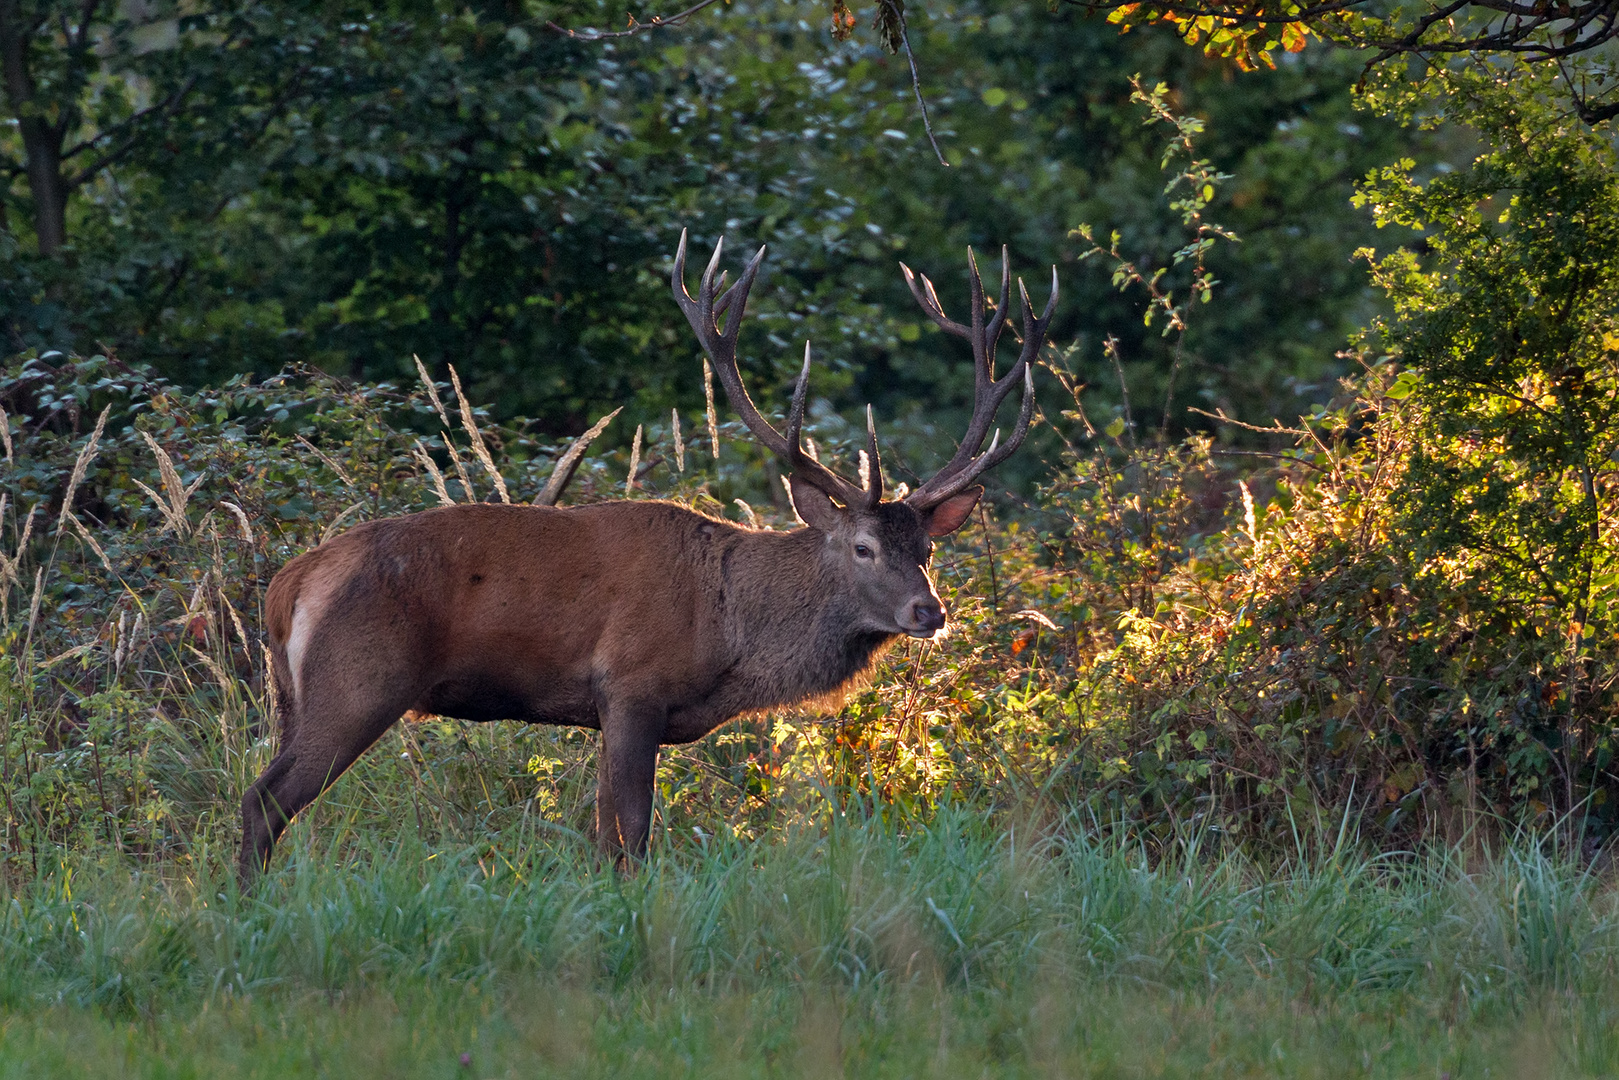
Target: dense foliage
x=349 y=187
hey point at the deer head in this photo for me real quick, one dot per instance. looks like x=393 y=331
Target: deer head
x=880 y=548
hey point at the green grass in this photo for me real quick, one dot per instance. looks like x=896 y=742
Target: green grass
x=967 y=946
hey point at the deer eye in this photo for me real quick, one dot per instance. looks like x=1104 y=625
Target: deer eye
x=862 y=551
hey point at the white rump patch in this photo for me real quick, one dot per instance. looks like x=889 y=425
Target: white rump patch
x=306 y=613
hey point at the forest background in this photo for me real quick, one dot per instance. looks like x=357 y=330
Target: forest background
x=1311 y=550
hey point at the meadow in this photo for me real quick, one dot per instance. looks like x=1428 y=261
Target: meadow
x=1037 y=847
x=863 y=948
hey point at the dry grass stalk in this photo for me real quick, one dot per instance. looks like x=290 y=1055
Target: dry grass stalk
x=228 y=684
x=79 y=466
x=173 y=508
x=120 y=644
x=747 y=512
x=331 y=530
x=5 y=435
x=33 y=603
x=27 y=530
x=268 y=663
x=90 y=541
x=713 y=417
x=478 y=446
x=11 y=568
x=635 y=461
x=76 y=651
x=461 y=472
x=1248 y=519
x=194 y=608
x=680 y=444
x=8 y=569
x=241 y=518
x=330 y=464
x=432 y=392
x=235 y=620
x=563 y=471
x=426 y=460
x=444 y=418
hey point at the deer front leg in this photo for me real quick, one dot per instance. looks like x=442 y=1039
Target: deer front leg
x=624 y=780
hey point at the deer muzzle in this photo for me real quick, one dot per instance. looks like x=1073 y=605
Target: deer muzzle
x=922 y=617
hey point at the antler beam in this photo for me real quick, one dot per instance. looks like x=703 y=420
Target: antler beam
x=703 y=313
x=988 y=391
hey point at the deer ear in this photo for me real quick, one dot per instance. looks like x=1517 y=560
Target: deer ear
x=813 y=506
x=951 y=514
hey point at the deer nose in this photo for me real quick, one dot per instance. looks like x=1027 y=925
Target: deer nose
x=924 y=616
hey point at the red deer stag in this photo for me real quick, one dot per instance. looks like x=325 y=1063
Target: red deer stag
x=645 y=620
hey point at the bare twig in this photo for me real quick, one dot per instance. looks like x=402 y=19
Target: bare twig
x=1276 y=429
x=657 y=22
x=1273 y=455
x=1111 y=347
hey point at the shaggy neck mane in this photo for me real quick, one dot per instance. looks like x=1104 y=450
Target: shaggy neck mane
x=790 y=629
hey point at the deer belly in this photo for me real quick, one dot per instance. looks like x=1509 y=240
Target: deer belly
x=490 y=698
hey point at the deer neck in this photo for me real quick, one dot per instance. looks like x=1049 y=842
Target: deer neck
x=791 y=623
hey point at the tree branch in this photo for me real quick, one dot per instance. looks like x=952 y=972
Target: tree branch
x=1525 y=28
x=658 y=22
x=112 y=157
x=916 y=81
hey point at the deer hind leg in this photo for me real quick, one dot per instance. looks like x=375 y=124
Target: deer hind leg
x=339 y=718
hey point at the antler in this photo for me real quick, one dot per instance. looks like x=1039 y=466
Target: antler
x=988 y=392
x=720 y=345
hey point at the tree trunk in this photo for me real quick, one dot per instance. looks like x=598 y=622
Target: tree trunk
x=42 y=142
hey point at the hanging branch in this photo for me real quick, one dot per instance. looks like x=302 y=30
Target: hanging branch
x=657 y=22
x=890 y=24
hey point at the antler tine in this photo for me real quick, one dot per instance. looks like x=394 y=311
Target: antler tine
x=989 y=392
x=998 y=451
x=982 y=337
x=992 y=333
x=795 y=414
x=928 y=300
x=705 y=287
x=1034 y=330
x=806 y=467
x=721 y=348
x=873 y=480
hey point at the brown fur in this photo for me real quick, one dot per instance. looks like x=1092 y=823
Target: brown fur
x=645 y=620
